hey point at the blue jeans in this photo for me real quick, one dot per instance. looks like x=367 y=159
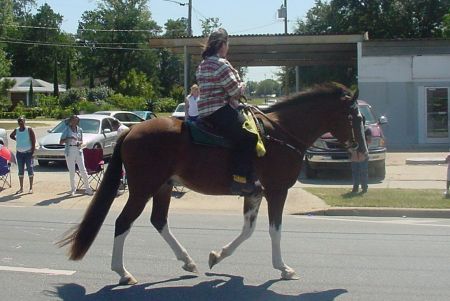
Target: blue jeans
x=25 y=158
x=360 y=174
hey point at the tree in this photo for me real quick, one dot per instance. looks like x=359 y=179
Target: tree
x=115 y=36
x=268 y=87
x=209 y=25
x=446 y=26
x=5 y=64
x=137 y=84
x=55 y=78
x=36 y=59
x=176 y=28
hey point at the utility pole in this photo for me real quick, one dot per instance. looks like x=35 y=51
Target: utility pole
x=285 y=17
x=190 y=18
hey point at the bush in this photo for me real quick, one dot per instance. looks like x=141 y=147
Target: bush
x=72 y=96
x=165 y=105
x=128 y=103
x=86 y=107
x=99 y=93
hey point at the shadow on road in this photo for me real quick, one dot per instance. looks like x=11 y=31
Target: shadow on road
x=218 y=289
x=333 y=177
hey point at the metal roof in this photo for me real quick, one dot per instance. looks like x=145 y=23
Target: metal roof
x=275 y=50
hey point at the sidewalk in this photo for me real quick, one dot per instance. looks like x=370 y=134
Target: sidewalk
x=52 y=185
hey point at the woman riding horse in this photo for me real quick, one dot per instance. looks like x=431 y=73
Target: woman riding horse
x=220 y=90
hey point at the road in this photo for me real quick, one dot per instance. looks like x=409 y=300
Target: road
x=337 y=258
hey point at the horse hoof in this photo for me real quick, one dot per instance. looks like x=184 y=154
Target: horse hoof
x=289 y=275
x=127 y=280
x=213 y=259
x=190 y=267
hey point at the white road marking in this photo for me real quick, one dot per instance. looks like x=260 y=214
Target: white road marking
x=37 y=271
x=402 y=221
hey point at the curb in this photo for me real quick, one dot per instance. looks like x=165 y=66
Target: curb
x=381 y=212
x=424 y=161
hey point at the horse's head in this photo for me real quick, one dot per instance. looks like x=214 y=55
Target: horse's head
x=349 y=126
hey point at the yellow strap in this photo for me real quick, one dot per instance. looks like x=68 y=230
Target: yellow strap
x=250 y=126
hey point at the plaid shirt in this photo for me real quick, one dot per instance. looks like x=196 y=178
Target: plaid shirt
x=219 y=84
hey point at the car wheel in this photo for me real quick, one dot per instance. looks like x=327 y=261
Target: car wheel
x=43 y=162
x=310 y=173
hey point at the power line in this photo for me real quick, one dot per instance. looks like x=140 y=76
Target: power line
x=93 y=46
x=81 y=29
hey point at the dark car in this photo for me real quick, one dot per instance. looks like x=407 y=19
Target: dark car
x=326 y=153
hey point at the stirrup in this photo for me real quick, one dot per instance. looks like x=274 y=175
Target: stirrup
x=240 y=186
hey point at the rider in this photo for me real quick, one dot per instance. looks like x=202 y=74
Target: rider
x=220 y=90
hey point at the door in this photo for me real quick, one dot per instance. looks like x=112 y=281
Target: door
x=436 y=115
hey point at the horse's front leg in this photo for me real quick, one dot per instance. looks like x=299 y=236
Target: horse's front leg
x=161 y=202
x=251 y=207
x=275 y=203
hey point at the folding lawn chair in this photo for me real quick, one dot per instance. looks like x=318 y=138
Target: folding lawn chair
x=93 y=161
x=5 y=174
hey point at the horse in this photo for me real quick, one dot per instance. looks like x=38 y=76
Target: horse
x=159 y=151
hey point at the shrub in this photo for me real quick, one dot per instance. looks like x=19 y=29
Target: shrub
x=165 y=105
x=99 y=93
x=72 y=96
x=128 y=103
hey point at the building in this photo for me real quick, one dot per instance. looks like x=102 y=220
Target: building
x=408 y=81
x=21 y=89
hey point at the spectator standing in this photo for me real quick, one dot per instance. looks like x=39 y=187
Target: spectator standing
x=72 y=138
x=360 y=166
x=25 y=145
x=190 y=104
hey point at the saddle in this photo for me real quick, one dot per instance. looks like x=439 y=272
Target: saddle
x=203 y=133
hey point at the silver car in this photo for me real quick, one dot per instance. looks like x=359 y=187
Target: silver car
x=127 y=118
x=97 y=133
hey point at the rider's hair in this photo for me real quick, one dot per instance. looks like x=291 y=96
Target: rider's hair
x=215 y=41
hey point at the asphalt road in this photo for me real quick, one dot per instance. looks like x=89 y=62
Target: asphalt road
x=337 y=258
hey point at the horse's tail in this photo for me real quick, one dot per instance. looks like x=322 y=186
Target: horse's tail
x=82 y=236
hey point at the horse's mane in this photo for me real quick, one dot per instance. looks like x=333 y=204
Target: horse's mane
x=321 y=91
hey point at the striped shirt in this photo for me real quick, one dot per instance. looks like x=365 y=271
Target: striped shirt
x=219 y=84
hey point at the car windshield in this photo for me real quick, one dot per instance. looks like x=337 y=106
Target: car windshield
x=140 y=114
x=180 y=108
x=367 y=113
x=89 y=126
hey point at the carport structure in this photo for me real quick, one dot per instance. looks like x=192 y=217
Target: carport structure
x=272 y=50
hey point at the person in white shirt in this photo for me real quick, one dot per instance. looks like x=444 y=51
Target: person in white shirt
x=190 y=107
x=72 y=137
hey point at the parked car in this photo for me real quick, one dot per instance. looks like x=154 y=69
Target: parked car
x=335 y=157
x=127 y=118
x=179 y=111
x=146 y=115
x=97 y=133
x=3 y=137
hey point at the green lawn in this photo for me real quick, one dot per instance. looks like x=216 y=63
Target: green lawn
x=12 y=125
x=383 y=197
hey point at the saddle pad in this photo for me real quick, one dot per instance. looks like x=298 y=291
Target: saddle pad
x=203 y=137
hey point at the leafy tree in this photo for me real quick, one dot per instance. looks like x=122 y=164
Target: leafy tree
x=267 y=87
x=251 y=87
x=446 y=26
x=115 y=36
x=209 y=25
x=137 y=84
x=5 y=64
x=176 y=28
x=37 y=59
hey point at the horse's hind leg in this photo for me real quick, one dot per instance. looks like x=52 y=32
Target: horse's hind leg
x=251 y=208
x=275 y=203
x=131 y=211
x=161 y=202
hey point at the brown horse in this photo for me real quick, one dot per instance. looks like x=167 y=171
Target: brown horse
x=160 y=150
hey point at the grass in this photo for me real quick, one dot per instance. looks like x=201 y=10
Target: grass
x=12 y=125
x=383 y=197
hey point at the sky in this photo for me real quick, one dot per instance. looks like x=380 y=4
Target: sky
x=236 y=16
